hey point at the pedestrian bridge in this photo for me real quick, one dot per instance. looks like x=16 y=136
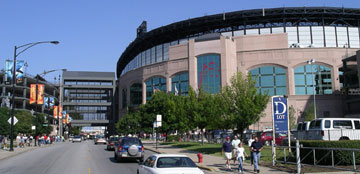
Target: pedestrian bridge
x=88 y=123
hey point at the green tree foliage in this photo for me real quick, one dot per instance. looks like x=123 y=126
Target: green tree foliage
x=292 y=119
x=25 y=122
x=309 y=112
x=241 y=101
x=129 y=124
x=75 y=130
x=4 y=125
x=39 y=122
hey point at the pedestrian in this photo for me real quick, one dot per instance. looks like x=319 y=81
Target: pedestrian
x=5 y=142
x=37 y=140
x=45 y=139
x=1 y=141
x=227 y=148
x=241 y=154
x=18 y=140
x=235 y=143
x=251 y=140
x=256 y=148
x=30 y=140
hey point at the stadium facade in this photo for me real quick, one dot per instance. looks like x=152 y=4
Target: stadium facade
x=273 y=44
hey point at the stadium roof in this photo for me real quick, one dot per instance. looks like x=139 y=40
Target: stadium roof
x=246 y=19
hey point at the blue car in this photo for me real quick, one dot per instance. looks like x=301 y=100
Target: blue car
x=129 y=148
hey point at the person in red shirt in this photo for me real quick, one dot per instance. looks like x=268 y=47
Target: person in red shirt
x=37 y=140
x=45 y=138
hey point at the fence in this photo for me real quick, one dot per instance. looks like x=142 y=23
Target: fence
x=317 y=156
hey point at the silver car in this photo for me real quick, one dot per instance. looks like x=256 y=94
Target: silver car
x=77 y=138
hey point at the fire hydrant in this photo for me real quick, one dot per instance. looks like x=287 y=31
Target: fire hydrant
x=200 y=157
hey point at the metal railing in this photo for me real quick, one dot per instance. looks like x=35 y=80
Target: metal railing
x=316 y=156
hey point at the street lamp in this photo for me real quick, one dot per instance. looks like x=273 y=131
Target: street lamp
x=36 y=92
x=311 y=62
x=26 y=46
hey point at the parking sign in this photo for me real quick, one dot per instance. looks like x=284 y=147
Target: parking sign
x=280 y=114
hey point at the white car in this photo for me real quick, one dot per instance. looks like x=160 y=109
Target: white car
x=76 y=139
x=168 y=164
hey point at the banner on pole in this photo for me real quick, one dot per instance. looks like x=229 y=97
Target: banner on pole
x=32 y=93
x=55 y=112
x=60 y=111
x=40 y=96
x=280 y=114
x=19 y=71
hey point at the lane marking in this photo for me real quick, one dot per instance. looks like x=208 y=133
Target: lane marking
x=88 y=157
x=89 y=171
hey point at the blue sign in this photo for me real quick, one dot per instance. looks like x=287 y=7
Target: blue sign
x=279 y=106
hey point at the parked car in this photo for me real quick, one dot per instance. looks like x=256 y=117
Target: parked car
x=77 y=138
x=111 y=142
x=129 y=147
x=334 y=129
x=71 y=138
x=267 y=137
x=100 y=139
x=168 y=163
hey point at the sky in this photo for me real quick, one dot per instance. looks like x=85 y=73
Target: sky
x=94 y=33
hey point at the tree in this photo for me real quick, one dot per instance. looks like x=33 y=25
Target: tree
x=4 y=125
x=242 y=103
x=75 y=130
x=129 y=124
x=39 y=122
x=292 y=119
x=309 y=112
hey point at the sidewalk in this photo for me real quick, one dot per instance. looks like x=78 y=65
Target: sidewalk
x=4 y=154
x=212 y=163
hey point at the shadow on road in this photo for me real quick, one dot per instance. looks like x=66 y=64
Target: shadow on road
x=112 y=159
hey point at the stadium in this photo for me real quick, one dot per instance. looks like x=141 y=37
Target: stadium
x=290 y=51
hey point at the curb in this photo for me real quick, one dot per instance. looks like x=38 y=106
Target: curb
x=201 y=167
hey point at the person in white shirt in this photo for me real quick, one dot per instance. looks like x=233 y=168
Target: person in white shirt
x=251 y=140
x=235 y=143
x=241 y=154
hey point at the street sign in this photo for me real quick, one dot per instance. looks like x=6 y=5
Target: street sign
x=280 y=114
x=158 y=124
x=33 y=127
x=158 y=118
x=154 y=124
x=45 y=125
x=15 y=120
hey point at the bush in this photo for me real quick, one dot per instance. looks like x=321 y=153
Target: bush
x=172 y=138
x=341 y=157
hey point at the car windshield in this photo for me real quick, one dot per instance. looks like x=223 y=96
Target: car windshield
x=130 y=141
x=77 y=136
x=170 y=162
x=113 y=139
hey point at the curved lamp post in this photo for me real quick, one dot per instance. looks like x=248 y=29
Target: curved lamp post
x=25 y=47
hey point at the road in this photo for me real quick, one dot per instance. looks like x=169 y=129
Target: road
x=69 y=158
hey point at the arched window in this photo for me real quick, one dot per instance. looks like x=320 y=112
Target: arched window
x=270 y=79
x=154 y=84
x=180 y=84
x=307 y=74
x=209 y=73
x=135 y=94
x=124 y=101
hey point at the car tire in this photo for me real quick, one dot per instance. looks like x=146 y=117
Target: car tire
x=95 y=143
x=142 y=159
x=118 y=159
x=137 y=171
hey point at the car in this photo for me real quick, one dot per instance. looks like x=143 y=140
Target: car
x=129 y=148
x=267 y=137
x=168 y=163
x=111 y=142
x=71 y=138
x=77 y=138
x=100 y=140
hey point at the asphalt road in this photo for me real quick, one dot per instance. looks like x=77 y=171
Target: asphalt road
x=68 y=158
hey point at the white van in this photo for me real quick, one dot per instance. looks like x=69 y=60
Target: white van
x=334 y=129
x=302 y=130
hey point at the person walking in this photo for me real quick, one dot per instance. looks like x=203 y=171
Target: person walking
x=235 y=143
x=5 y=142
x=251 y=140
x=241 y=154
x=256 y=148
x=30 y=140
x=227 y=148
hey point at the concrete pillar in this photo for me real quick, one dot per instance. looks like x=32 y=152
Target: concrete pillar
x=168 y=84
x=290 y=81
x=143 y=93
x=192 y=65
